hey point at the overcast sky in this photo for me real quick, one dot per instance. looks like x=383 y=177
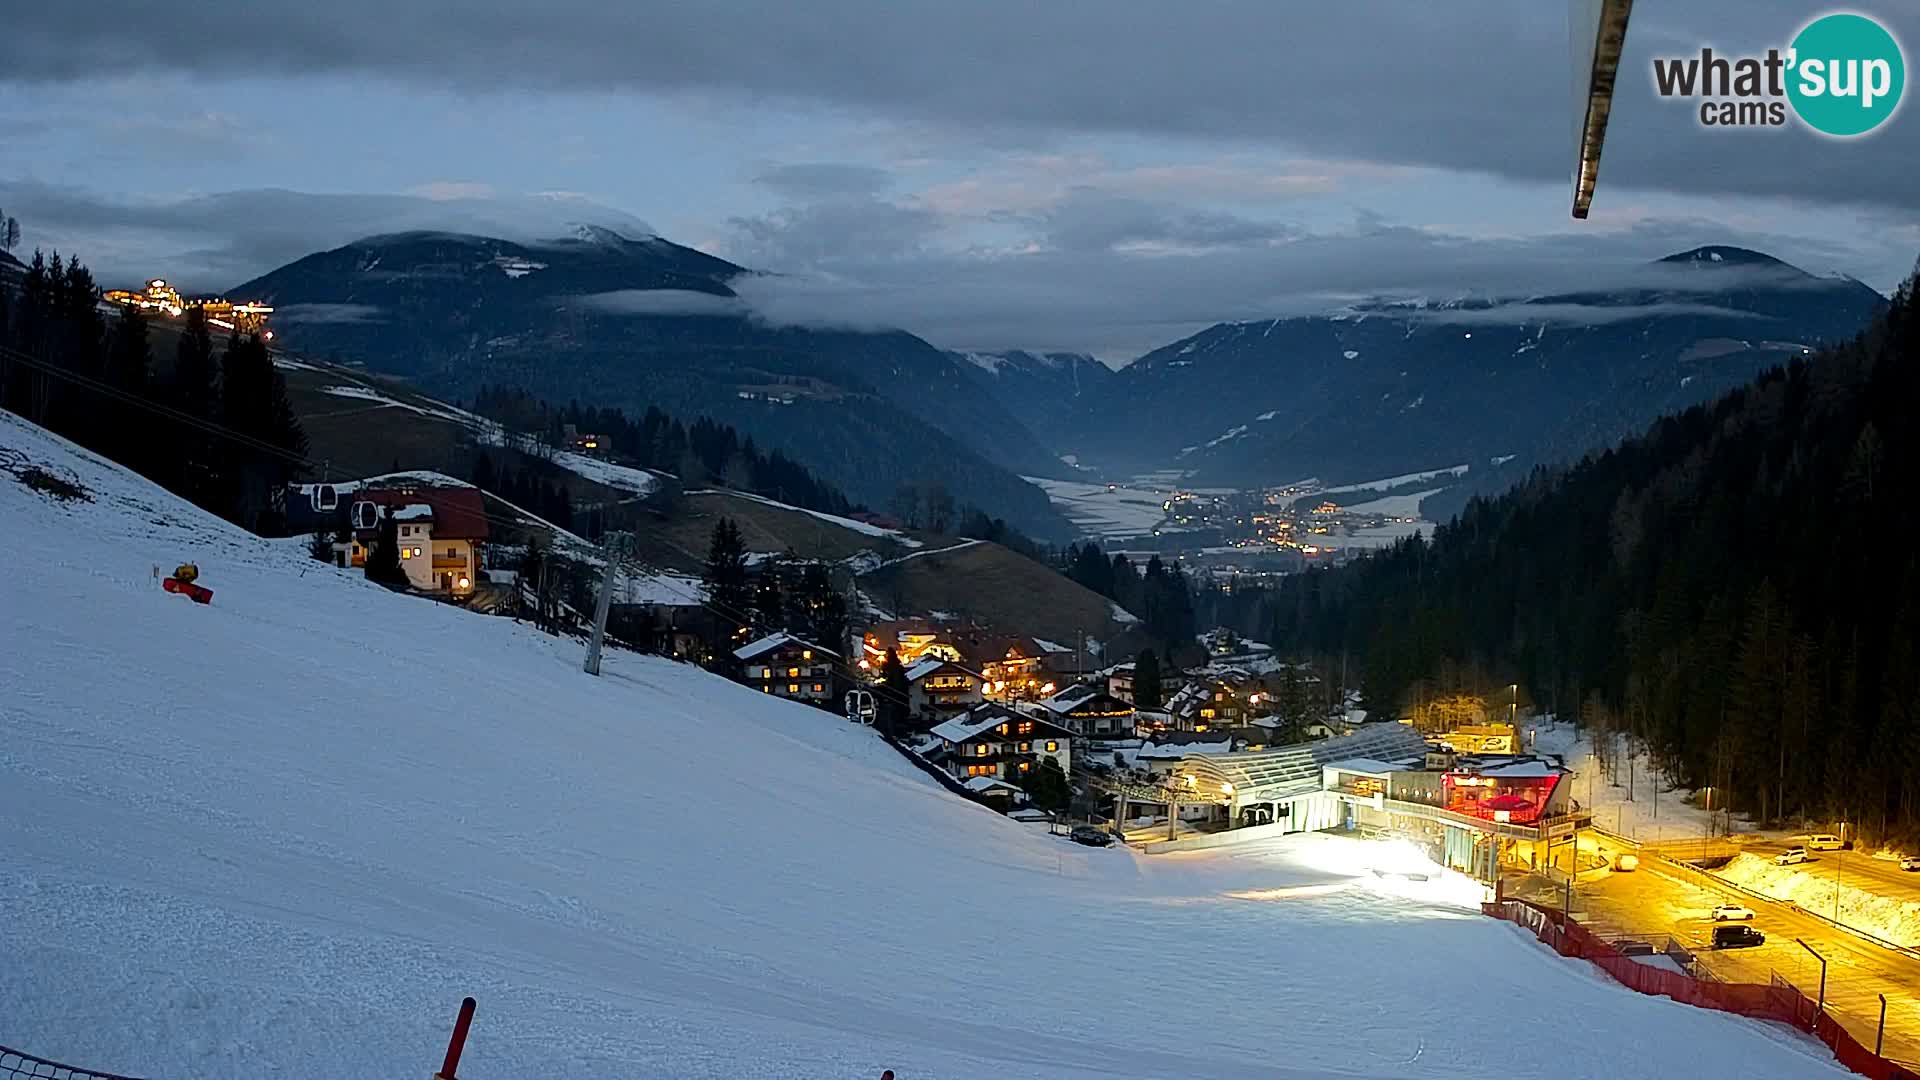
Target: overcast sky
x=1090 y=175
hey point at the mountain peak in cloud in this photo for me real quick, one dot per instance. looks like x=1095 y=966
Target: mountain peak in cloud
x=1724 y=255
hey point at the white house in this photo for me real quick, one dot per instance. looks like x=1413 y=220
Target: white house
x=785 y=665
x=995 y=742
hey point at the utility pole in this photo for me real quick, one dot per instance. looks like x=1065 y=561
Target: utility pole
x=613 y=545
x=540 y=598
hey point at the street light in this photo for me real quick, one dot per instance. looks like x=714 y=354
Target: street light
x=1839 y=863
x=1823 y=972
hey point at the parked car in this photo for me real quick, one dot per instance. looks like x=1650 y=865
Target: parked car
x=1791 y=856
x=1732 y=913
x=1910 y=863
x=1823 y=842
x=1090 y=836
x=1626 y=862
x=1737 y=937
x=1634 y=948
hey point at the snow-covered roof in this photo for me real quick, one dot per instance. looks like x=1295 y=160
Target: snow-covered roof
x=1362 y=765
x=1050 y=646
x=927 y=667
x=984 y=784
x=1176 y=751
x=1028 y=813
x=969 y=724
x=774 y=641
x=1521 y=769
x=414 y=512
x=1068 y=698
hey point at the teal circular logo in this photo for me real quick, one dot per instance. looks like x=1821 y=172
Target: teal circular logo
x=1847 y=75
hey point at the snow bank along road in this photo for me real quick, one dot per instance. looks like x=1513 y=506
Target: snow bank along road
x=283 y=834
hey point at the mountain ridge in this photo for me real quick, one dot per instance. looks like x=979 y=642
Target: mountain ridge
x=1386 y=386
x=635 y=322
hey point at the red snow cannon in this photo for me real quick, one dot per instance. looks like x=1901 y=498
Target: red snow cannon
x=183 y=582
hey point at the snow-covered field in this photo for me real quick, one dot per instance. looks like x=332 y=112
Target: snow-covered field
x=283 y=834
x=862 y=527
x=1394 y=505
x=619 y=477
x=1395 y=481
x=1119 y=514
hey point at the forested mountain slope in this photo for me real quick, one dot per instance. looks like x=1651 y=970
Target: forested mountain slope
x=1738 y=585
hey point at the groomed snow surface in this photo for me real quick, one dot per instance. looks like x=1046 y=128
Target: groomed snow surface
x=283 y=834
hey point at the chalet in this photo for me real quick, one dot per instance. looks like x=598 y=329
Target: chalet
x=938 y=690
x=995 y=742
x=441 y=525
x=912 y=640
x=785 y=666
x=1120 y=681
x=1214 y=699
x=1022 y=668
x=1090 y=712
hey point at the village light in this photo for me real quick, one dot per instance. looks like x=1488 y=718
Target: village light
x=1226 y=789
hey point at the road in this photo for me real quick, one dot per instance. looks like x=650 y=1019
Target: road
x=1662 y=899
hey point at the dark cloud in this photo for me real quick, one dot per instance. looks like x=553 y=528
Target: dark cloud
x=816 y=233
x=809 y=181
x=662 y=302
x=1118 y=306
x=1480 y=86
x=1091 y=220
x=212 y=242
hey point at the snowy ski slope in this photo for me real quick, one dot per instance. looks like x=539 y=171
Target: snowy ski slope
x=283 y=835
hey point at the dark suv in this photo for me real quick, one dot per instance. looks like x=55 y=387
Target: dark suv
x=1737 y=937
x=1090 y=835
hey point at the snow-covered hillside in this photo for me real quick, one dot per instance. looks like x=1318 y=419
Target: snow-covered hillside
x=283 y=834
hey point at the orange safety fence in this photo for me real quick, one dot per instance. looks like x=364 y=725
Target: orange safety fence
x=1779 y=1001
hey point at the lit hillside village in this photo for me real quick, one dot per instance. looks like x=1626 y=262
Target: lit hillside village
x=1061 y=735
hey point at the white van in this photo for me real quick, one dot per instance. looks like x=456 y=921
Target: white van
x=1823 y=842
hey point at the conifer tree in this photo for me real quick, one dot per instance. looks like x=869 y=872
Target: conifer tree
x=1147 y=692
x=728 y=592
x=769 y=605
x=383 y=562
x=892 y=695
x=131 y=438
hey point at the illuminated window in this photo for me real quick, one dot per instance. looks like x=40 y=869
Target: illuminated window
x=1002 y=729
x=1025 y=746
x=806 y=654
x=793 y=673
x=980 y=750
x=793 y=688
x=1025 y=765
x=406 y=553
x=817 y=688
x=1026 y=727
x=1052 y=746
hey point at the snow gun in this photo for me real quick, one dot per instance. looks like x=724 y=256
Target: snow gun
x=184 y=581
